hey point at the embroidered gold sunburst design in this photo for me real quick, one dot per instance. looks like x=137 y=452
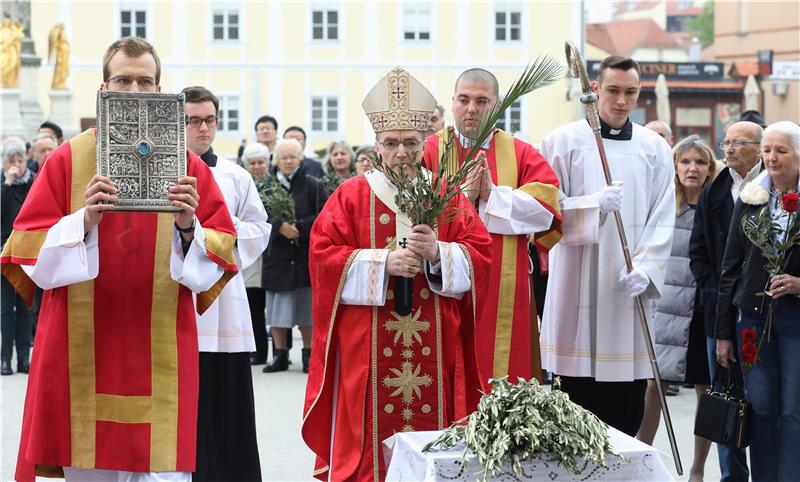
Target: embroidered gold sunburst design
x=407 y=428
x=391 y=243
x=408 y=353
x=407 y=382
x=408 y=327
x=407 y=414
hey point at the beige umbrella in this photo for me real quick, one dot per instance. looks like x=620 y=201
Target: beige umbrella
x=662 y=100
x=751 y=93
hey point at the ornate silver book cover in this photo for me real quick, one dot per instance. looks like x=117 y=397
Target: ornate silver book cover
x=141 y=146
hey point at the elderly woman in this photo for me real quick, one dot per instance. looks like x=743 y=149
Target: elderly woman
x=285 y=275
x=15 y=318
x=255 y=158
x=768 y=328
x=678 y=321
x=365 y=158
x=339 y=166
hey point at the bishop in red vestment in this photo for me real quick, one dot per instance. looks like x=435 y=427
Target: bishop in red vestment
x=374 y=372
x=518 y=196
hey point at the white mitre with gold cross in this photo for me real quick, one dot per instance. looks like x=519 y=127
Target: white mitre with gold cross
x=399 y=102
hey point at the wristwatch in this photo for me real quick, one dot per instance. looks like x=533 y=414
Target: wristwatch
x=188 y=230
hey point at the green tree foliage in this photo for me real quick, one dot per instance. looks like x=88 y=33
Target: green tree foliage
x=702 y=26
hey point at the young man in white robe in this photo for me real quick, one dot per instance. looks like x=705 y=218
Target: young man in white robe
x=591 y=334
x=227 y=448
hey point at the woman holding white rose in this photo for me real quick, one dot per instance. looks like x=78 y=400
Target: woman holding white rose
x=767 y=304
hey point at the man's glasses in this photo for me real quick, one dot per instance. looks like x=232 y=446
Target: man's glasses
x=409 y=145
x=211 y=121
x=736 y=144
x=125 y=82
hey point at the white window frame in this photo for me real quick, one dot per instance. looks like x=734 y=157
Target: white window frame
x=133 y=9
x=225 y=101
x=325 y=98
x=408 y=10
x=226 y=10
x=508 y=10
x=325 y=9
x=518 y=107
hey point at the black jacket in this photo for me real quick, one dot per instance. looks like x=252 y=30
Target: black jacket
x=285 y=265
x=744 y=275
x=712 y=221
x=12 y=198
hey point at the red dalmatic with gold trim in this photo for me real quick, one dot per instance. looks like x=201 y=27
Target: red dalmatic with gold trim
x=113 y=381
x=384 y=373
x=508 y=334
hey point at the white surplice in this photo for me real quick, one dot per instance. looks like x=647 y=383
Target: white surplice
x=589 y=324
x=226 y=325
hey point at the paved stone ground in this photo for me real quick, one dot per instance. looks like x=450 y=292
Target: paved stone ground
x=279 y=402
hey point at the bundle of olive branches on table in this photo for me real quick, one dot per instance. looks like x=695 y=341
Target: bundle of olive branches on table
x=429 y=199
x=519 y=422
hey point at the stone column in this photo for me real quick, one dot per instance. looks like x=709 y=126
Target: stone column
x=61 y=112
x=12 y=121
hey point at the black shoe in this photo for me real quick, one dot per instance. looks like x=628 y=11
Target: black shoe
x=279 y=363
x=5 y=368
x=257 y=360
x=306 y=359
x=23 y=366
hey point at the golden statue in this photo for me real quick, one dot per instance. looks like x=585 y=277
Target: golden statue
x=11 y=36
x=58 y=47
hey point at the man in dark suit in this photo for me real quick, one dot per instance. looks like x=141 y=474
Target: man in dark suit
x=711 y=224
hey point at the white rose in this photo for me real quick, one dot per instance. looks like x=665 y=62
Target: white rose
x=754 y=194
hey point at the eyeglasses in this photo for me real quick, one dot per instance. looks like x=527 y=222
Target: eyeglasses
x=125 y=81
x=196 y=122
x=736 y=144
x=409 y=145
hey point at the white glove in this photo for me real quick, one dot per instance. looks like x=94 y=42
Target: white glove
x=611 y=198
x=636 y=281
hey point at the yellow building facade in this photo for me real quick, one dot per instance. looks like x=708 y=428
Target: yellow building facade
x=311 y=63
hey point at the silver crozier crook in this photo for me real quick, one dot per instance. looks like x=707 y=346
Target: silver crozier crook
x=578 y=69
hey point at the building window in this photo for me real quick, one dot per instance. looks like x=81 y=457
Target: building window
x=512 y=118
x=325 y=24
x=228 y=113
x=225 y=24
x=325 y=114
x=417 y=23
x=507 y=25
x=132 y=23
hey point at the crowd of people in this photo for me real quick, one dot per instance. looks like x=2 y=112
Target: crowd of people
x=274 y=239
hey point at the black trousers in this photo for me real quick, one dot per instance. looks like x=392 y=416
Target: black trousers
x=256 y=298
x=15 y=323
x=619 y=404
x=227 y=448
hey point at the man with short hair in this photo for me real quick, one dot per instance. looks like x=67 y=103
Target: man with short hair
x=712 y=220
x=54 y=130
x=313 y=168
x=227 y=448
x=663 y=129
x=516 y=193
x=41 y=147
x=591 y=334
x=267 y=132
x=112 y=393
x=436 y=122
x=375 y=372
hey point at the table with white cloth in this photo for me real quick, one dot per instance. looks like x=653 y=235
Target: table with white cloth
x=406 y=462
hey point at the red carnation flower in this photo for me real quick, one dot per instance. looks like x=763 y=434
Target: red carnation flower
x=749 y=353
x=749 y=336
x=790 y=201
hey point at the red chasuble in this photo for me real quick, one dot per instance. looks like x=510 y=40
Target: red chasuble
x=373 y=372
x=113 y=381
x=508 y=333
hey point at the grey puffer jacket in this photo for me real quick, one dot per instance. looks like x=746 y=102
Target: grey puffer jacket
x=673 y=312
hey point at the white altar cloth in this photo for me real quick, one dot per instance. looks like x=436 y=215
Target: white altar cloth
x=406 y=462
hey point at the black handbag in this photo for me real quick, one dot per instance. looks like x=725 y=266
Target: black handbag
x=723 y=413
